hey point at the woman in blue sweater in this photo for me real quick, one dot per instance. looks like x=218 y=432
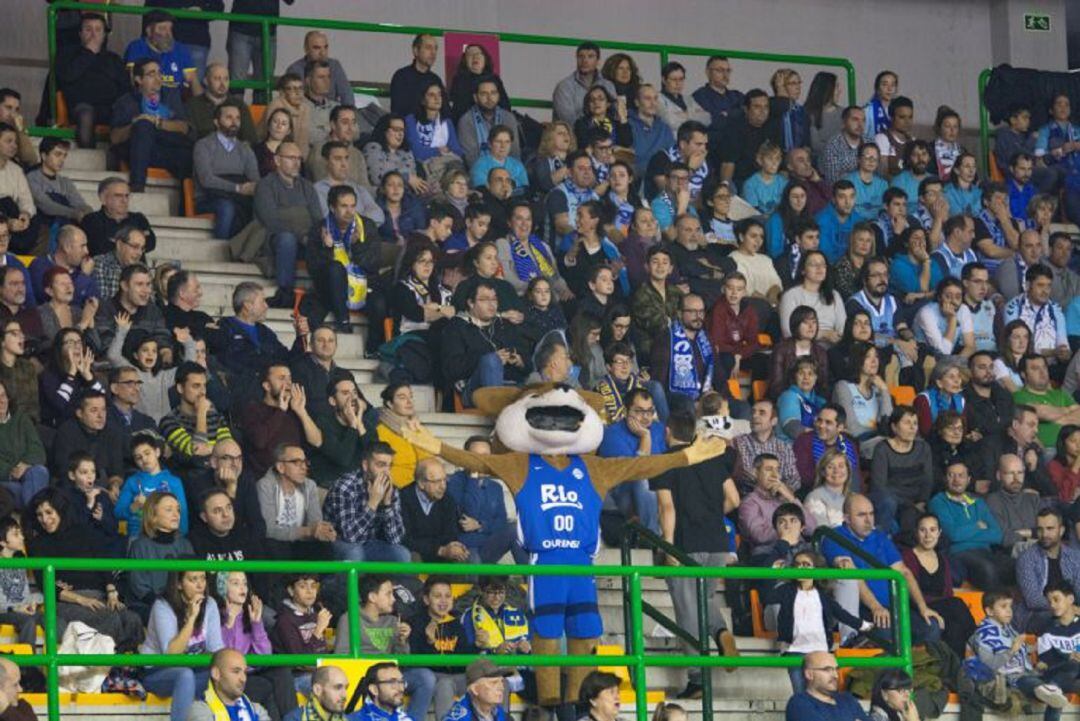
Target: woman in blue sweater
x=798 y=405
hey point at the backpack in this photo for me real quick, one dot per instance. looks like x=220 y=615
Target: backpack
x=81 y=639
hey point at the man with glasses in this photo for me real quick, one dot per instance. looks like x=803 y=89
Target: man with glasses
x=125 y=391
x=823 y=700
x=364 y=510
x=673 y=201
x=639 y=433
x=102 y=225
x=289 y=503
x=129 y=247
x=287 y=205
x=226 y=473
x=683 y=359
x=715 y=96
x=13 y=294
x=384 y=694
x=702 y=265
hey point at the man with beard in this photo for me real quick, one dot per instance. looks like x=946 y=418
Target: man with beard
x=822 y=697
x=364 y=508
x=496 y=197
x=1050 y=560
x=1021 y=189
x=330 y=691
x=279 y=418
x=384 y=694
x=683 y=359
x=225 y=173
x=202 y=109
x=158 y=45
x=343 y=429
x=988 y=407
x=1016 y=511
x=132 y=307
x=875 y=299
x=915 y=161
x=1020 y=439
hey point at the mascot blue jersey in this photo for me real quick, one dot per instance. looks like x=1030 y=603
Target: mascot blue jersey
x=558 y=513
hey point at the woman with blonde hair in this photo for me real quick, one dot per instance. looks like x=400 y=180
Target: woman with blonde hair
x=832 y=483
x=548 y=168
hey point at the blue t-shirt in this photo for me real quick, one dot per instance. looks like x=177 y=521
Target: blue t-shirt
x=804 y=707
x=764 y=196
x=904 y=276
x=908 y=183
x=173 y=62
x=868 y=196
x=619 y=441
x=558 y=513
x=877 y=545
x=834 y=234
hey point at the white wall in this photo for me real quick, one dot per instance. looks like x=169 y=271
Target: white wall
x=937 y=46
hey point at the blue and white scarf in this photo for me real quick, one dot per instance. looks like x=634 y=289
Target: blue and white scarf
x=682 y=374
x=624 y=211
x=697 y=177
x=879 y=120
x=818 y=448
x=575 y=196
x=809 y=404
x=482 y=127
x=600 y=170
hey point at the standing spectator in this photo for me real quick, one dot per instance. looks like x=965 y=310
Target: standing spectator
x=91 y=77
x=569 y=95
x=226 y=173
x=287 y=206
x=289 y=502
x=972 y=530
x=56 y=198
x=743 y=135
x=244 y=42
x=317 y=49
x=408 y=83
x=682 y=358
x=16 y=200
x=675 y=107
x=1049 y=560
x=840 y=154
x=281 y=418
x=717 y=97
x=102 y=225
x=365 y=510
x=150 y=126
x=201 y=108
x=692 y=506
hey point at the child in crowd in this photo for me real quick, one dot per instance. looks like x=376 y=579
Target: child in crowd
x=494 y=626
x=998 y=646
x=437 y=630
x=18 y=604
x=89 y=501
x=1058 y=647
x=146 y=450
x=669 y=712
x=764 y=188
x=141 y=350
x=302 y=623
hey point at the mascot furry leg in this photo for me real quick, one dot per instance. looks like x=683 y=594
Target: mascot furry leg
x=548 y=686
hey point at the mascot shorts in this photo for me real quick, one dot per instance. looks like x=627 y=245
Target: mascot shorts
x=564 y=604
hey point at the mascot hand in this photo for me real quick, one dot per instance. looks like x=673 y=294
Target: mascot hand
x=705 y=447
x=421 y=437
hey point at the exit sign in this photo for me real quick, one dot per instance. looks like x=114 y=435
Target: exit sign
x=1037 y=22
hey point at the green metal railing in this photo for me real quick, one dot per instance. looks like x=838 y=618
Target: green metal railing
x=984 y=121
x=635 y=658
x=267 y=81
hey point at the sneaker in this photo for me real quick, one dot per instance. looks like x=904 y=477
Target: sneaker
x=283 y=298
x=692 y=691
x=1051 y=695
x=725 y=646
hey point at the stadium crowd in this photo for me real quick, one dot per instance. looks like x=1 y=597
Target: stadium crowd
x=889 y=339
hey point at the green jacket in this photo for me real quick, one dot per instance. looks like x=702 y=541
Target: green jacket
x=652 y=314
x=19 y=441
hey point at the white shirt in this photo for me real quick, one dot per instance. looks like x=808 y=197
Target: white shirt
x=290 y=510
x=808 y=632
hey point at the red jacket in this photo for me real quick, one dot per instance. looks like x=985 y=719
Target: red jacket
x=730 y=333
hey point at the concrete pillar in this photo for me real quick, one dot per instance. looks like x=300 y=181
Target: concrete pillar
x=1011 y=43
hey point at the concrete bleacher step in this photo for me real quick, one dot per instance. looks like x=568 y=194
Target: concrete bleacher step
x=174 y=244
x=162 y=197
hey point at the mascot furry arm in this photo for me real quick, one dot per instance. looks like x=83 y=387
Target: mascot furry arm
x=556 y=423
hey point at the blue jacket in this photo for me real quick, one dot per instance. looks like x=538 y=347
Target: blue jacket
x=423 y=152
x=834 y=234
x=246 y=350
x=146 y=484
x=480 y=499
x=648 y=140
x=620 y=442
x=371 y=712
x=960 y=522
x=462 y=710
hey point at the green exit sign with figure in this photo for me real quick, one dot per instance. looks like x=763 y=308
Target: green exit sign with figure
x=1037 y=22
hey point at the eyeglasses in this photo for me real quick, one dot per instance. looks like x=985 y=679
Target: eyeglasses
x=132 y=382
x=137 y=246
x=495 y=591
x=645 y=412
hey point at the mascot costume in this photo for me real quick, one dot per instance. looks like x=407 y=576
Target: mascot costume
x=551 y=433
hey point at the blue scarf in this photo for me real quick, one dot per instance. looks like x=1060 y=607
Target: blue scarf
x=879 y=120
x=794 y=123
x=529 y=258
x=940 y=402
x=818 y=448
x=600 y=170
x=624 y=211
x=809 y=404
x=953 y=263
x=481 y=126
x=697 y=177
x=1059 y=136
x=575 y=196
x=426 y=131
x=683 y=375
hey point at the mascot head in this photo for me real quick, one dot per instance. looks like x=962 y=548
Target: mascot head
x=548 y=419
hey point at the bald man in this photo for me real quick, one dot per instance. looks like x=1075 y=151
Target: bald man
x=10 y=688
x=317 y=47
x=228 y=679
x=821 y=699
x=870 y=599
x=216 y=91
x=329 y=687
x=72 y=253
x=1014 y=508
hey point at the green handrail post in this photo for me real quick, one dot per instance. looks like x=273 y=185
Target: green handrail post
x=703 y=647
x=903 y=624
x=984 y=118
x=353 y=604
x=625 y=555
x=50 y=26
x=268 y=67
x=52 y=679
x=638 y=648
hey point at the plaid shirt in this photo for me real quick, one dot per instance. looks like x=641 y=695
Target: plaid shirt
x=107 y=273
x=347 y=509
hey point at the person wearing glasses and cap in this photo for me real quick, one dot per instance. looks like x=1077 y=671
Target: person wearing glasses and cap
x=485 y=692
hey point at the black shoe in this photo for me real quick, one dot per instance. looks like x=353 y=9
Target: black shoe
x=692 y=691
x=283 y=298
x=343 y=327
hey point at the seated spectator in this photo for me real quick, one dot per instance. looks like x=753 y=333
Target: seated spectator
x=1054 y=407
x=484 y=528
x=815 y=291
x=592 y=265
x=562 y=201
x=282 y=418
x=498 y=155
x=217 y=536
x=160 y=539
x=840 y=155
x=125 y=393
x=150 y=126
x=468 y=361
x=599 y=695
x=848 y=273
x=474 y=220
x=955 y=251
x=87 y=431
x=934 y=574
x=682 y=358
x=764 y=189
x=570 y=92
x=865 y=398
x=524 y=256
x=756 y=510
x=302 y=622
x=431 y=517
x=287 y=206
x=716 y=211
x=226 y=173
x=16 y=199
x=893 y=219
x=982 y=312
x=91 y=77
x=805 y=236
x=832 y=483
x=1020 y=438
x=202 y=109
x=654 y=302
x=801 y=342
x=800 y=403
x=481 y=263
x=1014 y=343
x=733 y=329
x=869 y=599
x=431 y=134
x=828 y=432
x=316 y=368
x=548 y=169
x=22 y=456
x=1064 y=468
x=943 y=323
x=61 y=312
x=177 y=68
x=91 y=597
x=290 y=99
x=290 y=508
x=1066 y=284
x=398 y=410
x=987 y=405
x=1045 y=561
x=229 y=685
x=68 y=373
x=997 y=233
x=653 y=123
x=676 y=108
x=762 y=281
x=621 y=379
x=1016 y=511
x=1014 y=136
x=949 y=441
x=552 y=362
x=317 y=89
x=1043 y=317
x=763 y=438
x=389 y=151
x=869 y=186
x=102 y=226
x=673 y=201
x=703 y=266
x=476 y=66
x=743 y=134
x=945 y=393
x=56 y=198
x=583 y=337
x=600 y=111
x=317 y=49
x=128 y=248
x=152 y=476
x=962 y=190
x=18 y=602
x=402 y=212
x=14 y=301
x=133 y=307
x=226 y=472
x=446 y=637
x=493 y=625
x=337 y=157
x=194 y=427
x=901 y=474
x=18 y=374
x=71 y=255
x=892 y=140
x=837 y=219
x=972 y=530
x=343 y=129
